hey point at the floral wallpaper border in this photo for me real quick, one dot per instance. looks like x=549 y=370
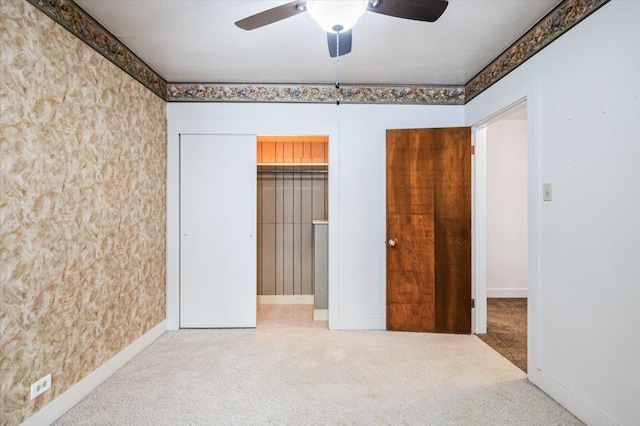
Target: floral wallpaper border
x=561 y=19
x=73 y=18
x=557 y=22
x=348 y=94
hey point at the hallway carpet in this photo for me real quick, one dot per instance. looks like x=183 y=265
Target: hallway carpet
x=507 y=329
x=297 y=374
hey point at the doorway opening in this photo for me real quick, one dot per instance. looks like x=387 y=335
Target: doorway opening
x=292 y=230
x=506 y=234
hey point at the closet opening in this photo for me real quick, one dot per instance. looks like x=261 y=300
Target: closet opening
x=292 y=230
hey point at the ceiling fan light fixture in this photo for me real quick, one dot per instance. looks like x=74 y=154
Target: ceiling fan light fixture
x=336 y=15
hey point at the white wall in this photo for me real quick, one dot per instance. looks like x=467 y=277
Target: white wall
x=583 y=98
x=507 y=208
x=357 y=210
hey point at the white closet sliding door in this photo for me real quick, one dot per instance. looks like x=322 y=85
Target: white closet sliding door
x=218 y=231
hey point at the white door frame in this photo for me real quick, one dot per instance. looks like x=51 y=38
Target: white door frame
x=479 y=230
x=176 y=127
x=477 y=116
x=480 y=217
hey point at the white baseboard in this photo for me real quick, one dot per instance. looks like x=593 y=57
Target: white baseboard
x=358 y=324
x=321 y=315
x=507 y=292
x=56 y=408
x=569 y=400
x=303 y=299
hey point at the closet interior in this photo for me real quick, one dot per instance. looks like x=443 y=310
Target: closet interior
x=292 y=197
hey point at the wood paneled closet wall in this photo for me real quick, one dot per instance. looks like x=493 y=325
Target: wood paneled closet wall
x=288 y=202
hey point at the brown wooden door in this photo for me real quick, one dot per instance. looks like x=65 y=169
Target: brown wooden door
x=429 y=221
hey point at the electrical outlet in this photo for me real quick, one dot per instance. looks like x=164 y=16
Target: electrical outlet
x=40 y=386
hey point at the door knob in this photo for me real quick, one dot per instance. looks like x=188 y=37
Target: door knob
x=392 y=242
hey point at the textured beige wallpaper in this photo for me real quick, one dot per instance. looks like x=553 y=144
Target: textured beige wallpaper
x=82 y=209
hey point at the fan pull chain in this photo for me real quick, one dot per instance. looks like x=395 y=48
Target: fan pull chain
x=337 y=28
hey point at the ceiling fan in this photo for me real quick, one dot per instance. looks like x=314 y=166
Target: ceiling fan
x=337 y=17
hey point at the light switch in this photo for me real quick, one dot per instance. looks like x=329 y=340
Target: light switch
x=546 y=192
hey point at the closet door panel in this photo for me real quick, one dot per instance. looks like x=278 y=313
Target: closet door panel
x=218 y=224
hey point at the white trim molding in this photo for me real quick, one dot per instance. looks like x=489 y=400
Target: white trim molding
x=479 y=230
x=321 y=315
x=59 y=406
x=572 y=402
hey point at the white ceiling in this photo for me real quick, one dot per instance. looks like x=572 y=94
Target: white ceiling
x=197 y=41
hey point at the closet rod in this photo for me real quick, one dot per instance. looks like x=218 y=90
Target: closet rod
x=293 y=171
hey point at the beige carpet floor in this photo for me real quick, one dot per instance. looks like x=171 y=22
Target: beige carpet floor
x=291 y=371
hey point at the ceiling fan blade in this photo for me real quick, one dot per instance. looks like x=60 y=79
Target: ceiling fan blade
x=345 y=43
x=270 y=16
x=418 y=10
